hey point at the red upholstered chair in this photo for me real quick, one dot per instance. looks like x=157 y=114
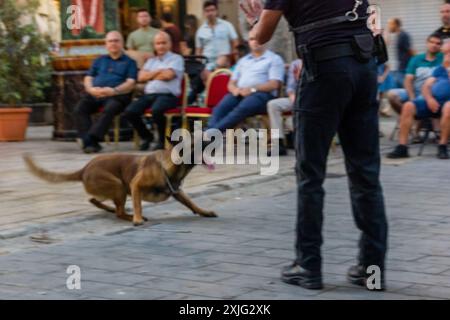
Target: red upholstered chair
x=216 y=89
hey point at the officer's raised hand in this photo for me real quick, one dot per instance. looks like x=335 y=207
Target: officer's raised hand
x=252 y=10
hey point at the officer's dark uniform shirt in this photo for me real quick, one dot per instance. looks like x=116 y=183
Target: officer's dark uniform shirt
x=302 y=12
x=110 y=73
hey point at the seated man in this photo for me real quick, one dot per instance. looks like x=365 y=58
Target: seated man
x=276 y=107
x=109 y=84
x=434 y=103
x=254 y=83
x=163 y=74
x=418 y=71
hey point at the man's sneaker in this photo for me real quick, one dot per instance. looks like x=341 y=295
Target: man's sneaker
x=358 y=275
x=399 y=152
x=145 y=145
x=159 y=146
x=442 y=152
x=95 y=147
x=294 y=274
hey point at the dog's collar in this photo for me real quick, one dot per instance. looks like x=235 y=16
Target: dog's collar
x=169 y=184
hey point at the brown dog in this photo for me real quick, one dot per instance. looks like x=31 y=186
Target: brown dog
x=151 y=178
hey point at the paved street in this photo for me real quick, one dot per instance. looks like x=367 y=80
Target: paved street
x=46 y=228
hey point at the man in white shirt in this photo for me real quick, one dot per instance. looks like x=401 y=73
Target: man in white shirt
x=255 y=81
x=216 y=37
x=163 y=74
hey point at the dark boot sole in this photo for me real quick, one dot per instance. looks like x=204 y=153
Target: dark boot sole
x=310 y=284
x=361 y=281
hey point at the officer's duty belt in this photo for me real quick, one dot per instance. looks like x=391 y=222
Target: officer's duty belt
x=332 y=52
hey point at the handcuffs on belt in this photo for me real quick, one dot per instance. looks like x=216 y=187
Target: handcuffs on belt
x=353 y=15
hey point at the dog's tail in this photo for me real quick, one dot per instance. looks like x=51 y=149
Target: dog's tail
x=48 y=176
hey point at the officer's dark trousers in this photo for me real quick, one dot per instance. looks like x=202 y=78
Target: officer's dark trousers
x=88 y=105
x=341 y=99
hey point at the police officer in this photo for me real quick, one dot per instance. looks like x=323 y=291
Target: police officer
x=337 y=95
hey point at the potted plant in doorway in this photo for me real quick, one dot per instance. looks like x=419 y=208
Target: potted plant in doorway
x=24 y=71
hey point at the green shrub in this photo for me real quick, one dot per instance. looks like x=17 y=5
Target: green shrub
x=24 y=68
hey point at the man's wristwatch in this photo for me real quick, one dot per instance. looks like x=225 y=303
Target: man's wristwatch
x=116 y=91
x=253 y=90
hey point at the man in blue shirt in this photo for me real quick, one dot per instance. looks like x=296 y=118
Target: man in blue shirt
x=435 y=102
x=418 y=71
x=163 y=75
x=108 y=86
x=254 y=83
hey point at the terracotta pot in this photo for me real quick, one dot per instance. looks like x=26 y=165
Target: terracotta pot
x=13 y=123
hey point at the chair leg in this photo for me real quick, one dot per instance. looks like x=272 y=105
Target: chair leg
x=184 y=123
x=107 y=139
x=265 y=121
x=136 y=140
x=116 y=132
x=394 y=132
x=168 y=130
x=425 y=141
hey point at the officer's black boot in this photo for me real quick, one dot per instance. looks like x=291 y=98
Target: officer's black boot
x=358 y=275
x=442 y=152
x=294 y=274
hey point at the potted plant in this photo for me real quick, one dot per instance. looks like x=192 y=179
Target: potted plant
x=24 y=72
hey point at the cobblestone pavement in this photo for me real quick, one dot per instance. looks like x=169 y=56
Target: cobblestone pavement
x=44 y=229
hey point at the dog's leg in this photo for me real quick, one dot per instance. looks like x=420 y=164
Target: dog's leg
x=137 y=205
x=102 y=206
x=120 y=201
x=184 y=199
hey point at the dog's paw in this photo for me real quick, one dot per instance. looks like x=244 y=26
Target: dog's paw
x=138 y=222
x=208 y=214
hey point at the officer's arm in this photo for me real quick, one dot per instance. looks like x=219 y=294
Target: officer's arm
x=267 y=24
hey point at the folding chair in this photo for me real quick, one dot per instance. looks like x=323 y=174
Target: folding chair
x=427 y=128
